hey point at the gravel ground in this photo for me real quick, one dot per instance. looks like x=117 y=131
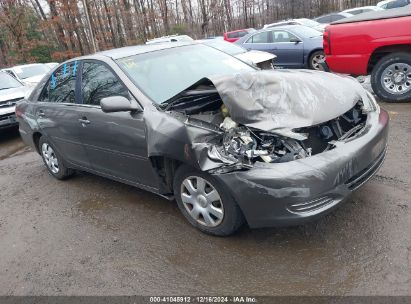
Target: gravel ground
x=92 y=236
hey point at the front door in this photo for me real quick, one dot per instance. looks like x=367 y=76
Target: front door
x=289 y=52
x=115 y=142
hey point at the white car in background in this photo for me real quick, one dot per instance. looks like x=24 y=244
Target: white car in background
x=301 y=21
x=171 y=38
x=362 y=9
x=263 y=60
x=52 y=65
x=11 y=91
x=28 y=74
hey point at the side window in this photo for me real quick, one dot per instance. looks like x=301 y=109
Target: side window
x=98 y=82
x=336 y=17
x=242 y=34
x=61 y=85
x=259 y=38
x=232 y=35
x=324 y=19
x=281 y=36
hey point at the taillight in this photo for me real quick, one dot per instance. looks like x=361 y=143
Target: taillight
x=326 y=42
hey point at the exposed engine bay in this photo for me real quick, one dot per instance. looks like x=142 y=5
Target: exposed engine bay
x=248 y=145
x=240 y=144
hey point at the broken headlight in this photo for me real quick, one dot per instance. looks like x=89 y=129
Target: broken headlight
x=248 y=146
x=371 y=105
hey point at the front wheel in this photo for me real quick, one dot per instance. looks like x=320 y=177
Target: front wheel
x=391 y=78
x=316 y=59
x=205 y=203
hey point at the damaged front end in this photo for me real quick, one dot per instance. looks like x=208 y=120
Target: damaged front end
x=245 y=115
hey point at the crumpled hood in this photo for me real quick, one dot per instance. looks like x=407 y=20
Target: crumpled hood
x=281 y=100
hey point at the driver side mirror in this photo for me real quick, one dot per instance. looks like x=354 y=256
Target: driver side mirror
x=118 y=104
x=295 y=40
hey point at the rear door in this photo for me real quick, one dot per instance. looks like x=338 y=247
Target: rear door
x=260 y=42
x=57 y=113
x=115 y=142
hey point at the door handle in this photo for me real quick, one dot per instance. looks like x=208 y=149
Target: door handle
x=84 y=121
x=41 y=113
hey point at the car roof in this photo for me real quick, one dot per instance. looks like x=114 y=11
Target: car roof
x=140 y=49
x=242 y=30
x=377 y=15
x=361 y=7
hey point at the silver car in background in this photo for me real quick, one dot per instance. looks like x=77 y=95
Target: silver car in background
x=11 y=91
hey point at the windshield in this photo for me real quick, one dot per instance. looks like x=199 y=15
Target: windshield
x=8 y=82
x=29 y=71
x=306 y=32
x=165 y=73
x=308 y=22
x=225 y=47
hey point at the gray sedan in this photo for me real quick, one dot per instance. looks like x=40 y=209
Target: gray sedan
x=230 y=143
x=296 y=46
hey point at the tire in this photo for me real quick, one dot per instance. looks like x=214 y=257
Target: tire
x=313 y=61
x=392 y=88
x=229 y=217
x=53 y=161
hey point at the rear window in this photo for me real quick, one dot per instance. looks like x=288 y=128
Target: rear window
x=243 y=33
x=233 y=35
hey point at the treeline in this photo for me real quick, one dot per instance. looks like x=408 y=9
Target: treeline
x=53 y=30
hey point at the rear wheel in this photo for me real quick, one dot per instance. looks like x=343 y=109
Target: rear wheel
x=53 y=161
x=205 y=203
x=391 y=78
x=316 y=59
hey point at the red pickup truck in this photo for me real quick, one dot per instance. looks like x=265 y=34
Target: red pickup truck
x=376 y=43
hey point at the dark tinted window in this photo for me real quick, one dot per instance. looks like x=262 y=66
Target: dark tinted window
x=398 y=3
x=61 y=85
x=232 y=35
x=241 y=34
x=98 y=82
x=324 y=19
x=337 y=17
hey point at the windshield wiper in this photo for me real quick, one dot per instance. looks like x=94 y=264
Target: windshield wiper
x=193 y=99
x=7 y=88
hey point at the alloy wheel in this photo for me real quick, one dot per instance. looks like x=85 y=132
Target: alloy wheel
x=202 y=201
x=396 y=78
x=50 y=158
x=317 y=60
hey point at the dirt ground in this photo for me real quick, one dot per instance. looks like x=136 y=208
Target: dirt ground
x=92 y=236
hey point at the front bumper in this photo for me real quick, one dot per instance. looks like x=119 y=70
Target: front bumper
x=292 y=193
x=7 y=118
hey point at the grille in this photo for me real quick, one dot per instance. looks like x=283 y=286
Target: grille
x=314 y=205
x=11 y=102
x=361 y=177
